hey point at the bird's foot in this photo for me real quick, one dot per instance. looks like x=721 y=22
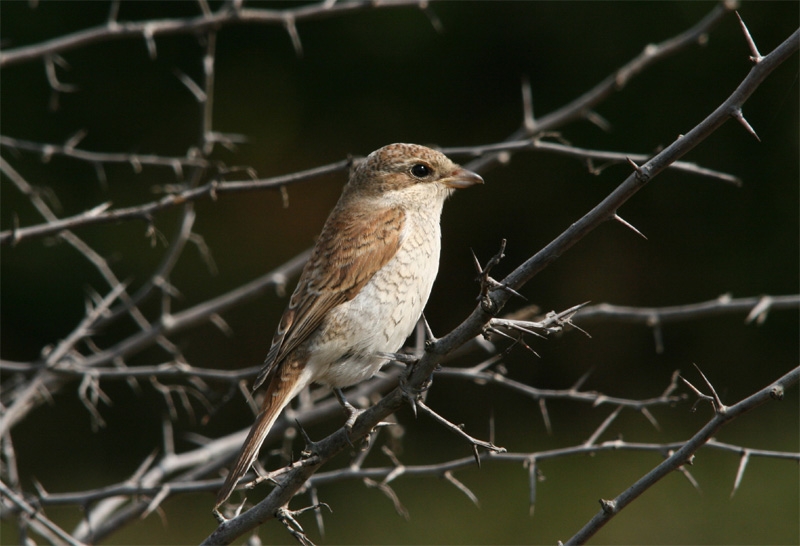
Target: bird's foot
x=404 y=358
x=411 y=393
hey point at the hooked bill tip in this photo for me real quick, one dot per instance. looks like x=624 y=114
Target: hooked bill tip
x=462 y=178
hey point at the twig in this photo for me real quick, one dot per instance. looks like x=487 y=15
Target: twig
x=757 y=309
x=145 y=212
x=37 y=515
x=149 y=30
x=681 y=456
x=583 y=106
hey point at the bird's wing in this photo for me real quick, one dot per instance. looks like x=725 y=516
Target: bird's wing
x=350 y=250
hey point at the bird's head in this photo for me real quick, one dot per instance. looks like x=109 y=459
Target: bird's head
x=408 y=169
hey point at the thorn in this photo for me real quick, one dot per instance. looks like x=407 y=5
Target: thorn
x=603 y=426
x=760 y=311
x=428 y=330
x=501 y=286
x=436 y=23
x=284 y=197
x=491 y=427
x=476 y=262
x=628 y=225
x=52 y=77
x=99 y=209
x=461 y=487
x=489 y=330
x=310 y=448
x=412 y=397
x=291 y=28
x=566 y=316
x=545 y=416
x=755 y=56
x=100 y=172
x=528 y=347
x=40 y=490
x=641 y=174
x=199 y=95
x=395 y=461
x=528 y=121
x=150 y=42
x=113 y=13
x=582 y=379
x=75 y=139
x=673 y=383
x=700 y=395
x=650 y=417
x=532 y=470
x=608 y=506
x=740 y=471
x=392 y=496
x=515 y=325
x=204 y=8
x=221 y=324
x=718 y=405
x=738 y=116
x=691 y=478
x=602 y=123
x=658 y=334
x=156 y=502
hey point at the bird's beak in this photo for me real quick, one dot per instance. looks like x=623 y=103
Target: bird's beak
x=462 y=178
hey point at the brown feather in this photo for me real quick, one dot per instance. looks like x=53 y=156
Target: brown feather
x=278 y=395
x=342 y=262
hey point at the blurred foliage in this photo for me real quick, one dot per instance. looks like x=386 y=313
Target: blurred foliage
x=381 y=76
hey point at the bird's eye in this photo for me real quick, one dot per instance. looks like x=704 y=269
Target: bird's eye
x=420 y=171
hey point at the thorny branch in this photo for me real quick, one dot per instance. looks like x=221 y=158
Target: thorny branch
x=683 y=455
x=216 y=187
x=480 y=317
x=229 y=14
x=490 y=155
x=173 y=473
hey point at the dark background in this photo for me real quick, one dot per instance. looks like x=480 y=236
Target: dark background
x=381 y=76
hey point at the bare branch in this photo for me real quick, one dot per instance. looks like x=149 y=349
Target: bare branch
x=79 y=356
x=583 y=106
x=757 y=308
x=682 y=455
x=37 y=516
x=115 y=30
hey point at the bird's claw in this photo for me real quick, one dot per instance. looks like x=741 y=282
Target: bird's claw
x=412 y=394
x=403 y=358
x=218 y=515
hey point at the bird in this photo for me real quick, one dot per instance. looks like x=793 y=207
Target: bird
x=364 y=286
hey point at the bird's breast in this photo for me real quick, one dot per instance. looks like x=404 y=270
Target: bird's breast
x=383 y=314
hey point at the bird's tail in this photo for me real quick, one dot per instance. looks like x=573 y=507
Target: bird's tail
x=282 y=388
